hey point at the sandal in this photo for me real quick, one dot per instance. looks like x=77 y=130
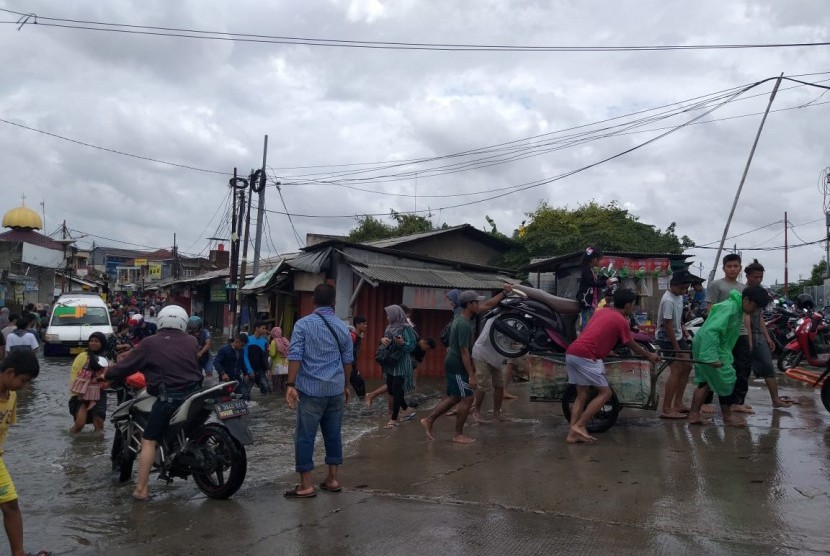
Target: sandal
x=294 y=494
x=391 y=425
x=327 y=488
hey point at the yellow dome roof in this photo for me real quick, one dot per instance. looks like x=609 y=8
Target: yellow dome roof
x=22 y=217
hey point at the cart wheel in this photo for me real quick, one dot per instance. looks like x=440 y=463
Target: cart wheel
x=605 y=417
x=825 y=394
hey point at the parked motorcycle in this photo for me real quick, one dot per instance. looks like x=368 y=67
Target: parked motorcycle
x=806 y=342
x=537 y=322
x=780 y=322
x=212 y=452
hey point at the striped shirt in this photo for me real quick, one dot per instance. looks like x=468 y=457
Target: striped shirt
x=321 y=356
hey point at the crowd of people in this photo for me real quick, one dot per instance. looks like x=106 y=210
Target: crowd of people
x=316 y=369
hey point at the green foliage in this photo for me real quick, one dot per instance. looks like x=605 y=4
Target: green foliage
x=552 y=231
x=370 y=229
x=816 y=279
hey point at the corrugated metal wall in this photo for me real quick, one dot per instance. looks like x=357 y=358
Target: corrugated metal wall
x=370 y=304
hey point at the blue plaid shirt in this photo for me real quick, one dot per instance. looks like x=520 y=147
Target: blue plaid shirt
x=320 y=354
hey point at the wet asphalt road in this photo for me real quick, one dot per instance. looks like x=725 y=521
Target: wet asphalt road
x=647 y=487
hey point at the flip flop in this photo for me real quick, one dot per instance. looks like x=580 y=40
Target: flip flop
x=391 y=425
x=409 y=417
x=294 y=494
x=327 y=488
x=41 y=553
x=672 y=416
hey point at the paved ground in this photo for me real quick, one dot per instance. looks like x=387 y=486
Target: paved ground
x=648 y=487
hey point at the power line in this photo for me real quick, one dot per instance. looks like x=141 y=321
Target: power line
x=113 y=151
x=177 y=32
x=777 y=248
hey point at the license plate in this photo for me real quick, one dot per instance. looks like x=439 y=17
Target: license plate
x=233 y=408
x=75 y=351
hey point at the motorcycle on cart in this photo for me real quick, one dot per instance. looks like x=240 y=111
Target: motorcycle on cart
x=532 y=321
x=205 y=439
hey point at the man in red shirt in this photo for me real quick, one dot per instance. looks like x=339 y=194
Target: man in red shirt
x=583 y=360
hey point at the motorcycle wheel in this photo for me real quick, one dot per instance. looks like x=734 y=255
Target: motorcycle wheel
x=126 y=459
x=825 y=393
x=604 y=418
x=229 y=458
x=503 y=343
x=788 y=359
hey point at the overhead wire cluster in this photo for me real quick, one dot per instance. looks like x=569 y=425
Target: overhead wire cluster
x=36 y=20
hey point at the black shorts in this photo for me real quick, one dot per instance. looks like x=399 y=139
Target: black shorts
x=100 y=409
x=667 y=349
x=162 y=411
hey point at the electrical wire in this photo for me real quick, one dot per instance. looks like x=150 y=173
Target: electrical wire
x=90 y=25
x=222 y=206
x=113 y=151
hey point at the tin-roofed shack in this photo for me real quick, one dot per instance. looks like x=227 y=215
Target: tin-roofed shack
x=647 y=274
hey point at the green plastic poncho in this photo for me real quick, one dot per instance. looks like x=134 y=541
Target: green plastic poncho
x=715 y=341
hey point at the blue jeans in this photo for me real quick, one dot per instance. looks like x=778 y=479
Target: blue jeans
x=325 y=412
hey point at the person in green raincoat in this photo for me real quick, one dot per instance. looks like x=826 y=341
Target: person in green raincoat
x=712 y=348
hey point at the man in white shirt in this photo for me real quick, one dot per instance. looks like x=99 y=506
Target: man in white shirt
x=22 y=337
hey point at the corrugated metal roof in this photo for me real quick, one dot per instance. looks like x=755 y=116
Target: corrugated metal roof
x=432 y=277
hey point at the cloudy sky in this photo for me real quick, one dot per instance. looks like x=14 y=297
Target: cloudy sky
x=364 y=130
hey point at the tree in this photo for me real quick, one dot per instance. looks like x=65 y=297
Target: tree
x=371 y=229
x=551 y=231
x=816 y=279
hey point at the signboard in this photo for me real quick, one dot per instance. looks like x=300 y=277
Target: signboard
x=218 y=293
x=41 y=256
x=625 y=266
x=155 y=270
x=140 y=262
x=430 y=298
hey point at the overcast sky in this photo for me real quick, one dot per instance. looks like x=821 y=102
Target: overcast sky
x=346 y=112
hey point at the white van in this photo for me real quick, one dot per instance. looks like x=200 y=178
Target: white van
x=74 y=317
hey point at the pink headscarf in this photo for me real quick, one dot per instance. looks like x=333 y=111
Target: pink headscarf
x=282 y=343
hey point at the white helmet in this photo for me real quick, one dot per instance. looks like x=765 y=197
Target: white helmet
x=172 y=316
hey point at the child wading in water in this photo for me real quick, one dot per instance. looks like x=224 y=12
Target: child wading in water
x=16 y=371
x=714 y=343
x=86 y=403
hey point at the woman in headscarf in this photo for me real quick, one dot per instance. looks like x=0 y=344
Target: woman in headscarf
x=401 y=336
x=278 y=352
x=87 y=404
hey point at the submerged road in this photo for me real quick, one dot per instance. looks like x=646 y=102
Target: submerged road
x=647 y=487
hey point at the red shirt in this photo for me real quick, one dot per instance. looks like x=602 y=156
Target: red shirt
x=605 y=329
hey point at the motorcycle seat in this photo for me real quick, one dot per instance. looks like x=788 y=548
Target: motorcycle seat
x=561 y=305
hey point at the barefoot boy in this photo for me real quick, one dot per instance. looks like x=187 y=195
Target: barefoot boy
x=16 y=371
x=714 y=343
x=760 y=342
x=583 y=360
x=459 y=370
x=671 y=338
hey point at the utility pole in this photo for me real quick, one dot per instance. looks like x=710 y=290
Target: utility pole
x=786 y=270
x=260 y=210
x=65 y=260
x=743 y=177
x=176 y=273
x=237 y=184
x=245 y=240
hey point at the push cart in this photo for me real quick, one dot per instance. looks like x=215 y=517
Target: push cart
x=633 y=384
x=815 y=379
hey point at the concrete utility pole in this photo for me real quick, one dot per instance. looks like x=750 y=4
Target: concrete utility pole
x=260 y=211
x=743 y=178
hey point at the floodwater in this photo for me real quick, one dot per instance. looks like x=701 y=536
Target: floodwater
x=65 y=482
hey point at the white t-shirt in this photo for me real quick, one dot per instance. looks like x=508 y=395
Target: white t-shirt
x=27 y=339
x=483 y=350
x=671 y=308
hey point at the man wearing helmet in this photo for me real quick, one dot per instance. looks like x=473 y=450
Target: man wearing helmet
x=140 y=328
x=168 y=360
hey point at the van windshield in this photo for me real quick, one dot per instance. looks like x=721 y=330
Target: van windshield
x=80 y=315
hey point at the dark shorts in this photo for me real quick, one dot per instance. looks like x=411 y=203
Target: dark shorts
x=458 y=385
x=667 y=349
x=762 y=359
x=162 y=411
x=100 y=409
